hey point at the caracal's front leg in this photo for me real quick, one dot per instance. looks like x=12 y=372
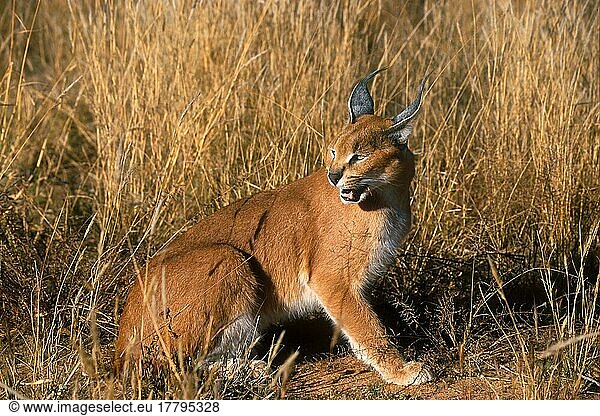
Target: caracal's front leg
x=367 y=336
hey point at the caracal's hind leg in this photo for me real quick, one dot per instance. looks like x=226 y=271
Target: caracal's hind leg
x=201 y=300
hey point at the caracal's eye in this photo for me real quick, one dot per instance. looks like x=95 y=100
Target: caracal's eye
x=332 y=153
x=355 y=158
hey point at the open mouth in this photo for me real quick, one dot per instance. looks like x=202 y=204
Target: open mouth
x=353 y=195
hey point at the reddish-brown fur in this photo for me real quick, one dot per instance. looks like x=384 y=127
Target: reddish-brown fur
x=279 y=253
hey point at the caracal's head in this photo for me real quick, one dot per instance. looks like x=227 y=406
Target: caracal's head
x=370 y=157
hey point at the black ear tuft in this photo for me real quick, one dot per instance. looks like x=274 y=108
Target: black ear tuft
x=403 y=122
x=360 y=101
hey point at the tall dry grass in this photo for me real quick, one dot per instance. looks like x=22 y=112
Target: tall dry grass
x=122 y=121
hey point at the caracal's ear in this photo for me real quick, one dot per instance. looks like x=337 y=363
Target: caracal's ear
x=360 y=101
x=403 y=122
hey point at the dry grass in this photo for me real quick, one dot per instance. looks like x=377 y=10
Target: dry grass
x=122 y=121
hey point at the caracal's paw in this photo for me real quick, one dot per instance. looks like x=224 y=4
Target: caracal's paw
x=412 y=373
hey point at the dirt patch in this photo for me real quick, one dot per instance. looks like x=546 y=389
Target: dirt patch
x=348 y=378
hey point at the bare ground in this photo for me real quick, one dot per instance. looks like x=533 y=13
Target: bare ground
x=348 y=378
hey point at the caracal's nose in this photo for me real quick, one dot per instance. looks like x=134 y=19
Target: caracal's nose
x=334 y=176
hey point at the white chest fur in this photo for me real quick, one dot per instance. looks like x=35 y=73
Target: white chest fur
x=394 y=228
